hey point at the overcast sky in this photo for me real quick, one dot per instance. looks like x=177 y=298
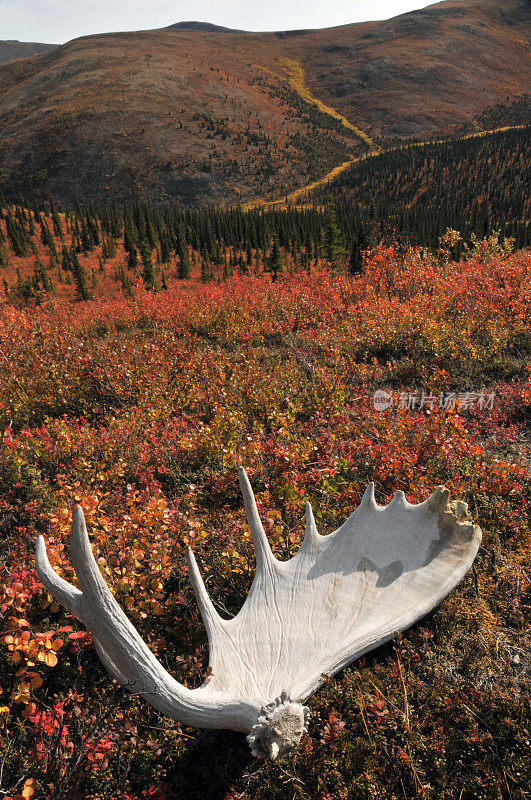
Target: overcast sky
x=57 y=21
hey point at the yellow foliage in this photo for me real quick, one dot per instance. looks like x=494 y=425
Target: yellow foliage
x=297 y=81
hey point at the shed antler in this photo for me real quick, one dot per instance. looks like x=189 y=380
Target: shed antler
x=339 y=597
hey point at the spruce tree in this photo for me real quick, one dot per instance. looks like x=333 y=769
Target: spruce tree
x=206 y=268
x=17 y=236
x=334 y=242
x=274 y=259
x=184 y=261
x=80 y=277
x=132 y=258
x=165 y=249
x=148 y=271
x=56 y=222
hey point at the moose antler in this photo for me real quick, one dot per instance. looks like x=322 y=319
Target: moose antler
x=339 y=597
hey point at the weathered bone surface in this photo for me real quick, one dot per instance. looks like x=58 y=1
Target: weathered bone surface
x=340 y=596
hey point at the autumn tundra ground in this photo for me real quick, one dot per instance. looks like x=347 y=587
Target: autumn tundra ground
x=140 y=408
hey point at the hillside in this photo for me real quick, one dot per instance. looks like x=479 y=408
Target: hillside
x=193 y=25
x=471 y=184
x=202 y=117
x=422 y=72
x=10 y=49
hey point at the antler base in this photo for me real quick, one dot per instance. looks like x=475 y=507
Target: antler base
x=279 y=728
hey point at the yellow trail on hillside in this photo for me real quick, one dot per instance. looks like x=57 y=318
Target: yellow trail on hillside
x=297 y=194
x=297 y=81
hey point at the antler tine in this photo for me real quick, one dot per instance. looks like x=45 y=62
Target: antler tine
x=211 y=619
x=87 y=570
x=121 y=648
x=109 y=664
x=311 y=533
x=67 y=594
x=261 y=545
x=368 y=501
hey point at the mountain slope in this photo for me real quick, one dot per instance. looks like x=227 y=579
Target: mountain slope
x=193 y=25
x=475 y=183
x=419 y=73
x=204 y=117
x=162 y=114
x=10 y=49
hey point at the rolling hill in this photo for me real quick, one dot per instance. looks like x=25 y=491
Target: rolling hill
x=193 y=25
x=210 y=117
x=10 y=49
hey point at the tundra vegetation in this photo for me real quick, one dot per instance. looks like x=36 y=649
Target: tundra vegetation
x=143 y=356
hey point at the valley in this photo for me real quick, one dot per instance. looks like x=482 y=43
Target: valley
x=197 y=116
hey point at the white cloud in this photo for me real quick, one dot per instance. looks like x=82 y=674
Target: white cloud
x=61 y=20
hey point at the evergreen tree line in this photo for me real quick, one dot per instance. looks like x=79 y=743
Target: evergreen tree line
x=218 y=242
x=473 y=185
x=413 y=194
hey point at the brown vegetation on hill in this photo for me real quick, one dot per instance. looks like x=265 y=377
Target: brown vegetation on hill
x=209 y=117
x=10 y=49
x=420 y=73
